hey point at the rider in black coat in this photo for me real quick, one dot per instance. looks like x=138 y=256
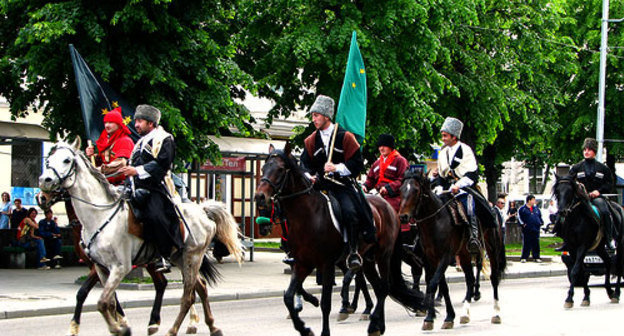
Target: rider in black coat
x=151 y=160
x=597 y=179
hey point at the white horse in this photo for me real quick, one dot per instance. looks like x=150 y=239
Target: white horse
x=104 y=215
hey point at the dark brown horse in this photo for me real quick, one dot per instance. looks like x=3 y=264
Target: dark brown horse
x=316 y=243
x=442 y=240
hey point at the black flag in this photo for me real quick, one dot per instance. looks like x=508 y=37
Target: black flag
x=97 y=98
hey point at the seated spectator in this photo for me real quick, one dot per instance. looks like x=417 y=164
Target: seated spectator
x=27 y=239
x=5 y=210
x=51 y=234
x=17 y=214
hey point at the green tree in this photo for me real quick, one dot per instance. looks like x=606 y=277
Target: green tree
x=578 y=117
x=176 y=55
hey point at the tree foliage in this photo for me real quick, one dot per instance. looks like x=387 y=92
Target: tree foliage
x=176 y=55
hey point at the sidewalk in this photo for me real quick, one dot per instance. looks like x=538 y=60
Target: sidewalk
x=30 y=292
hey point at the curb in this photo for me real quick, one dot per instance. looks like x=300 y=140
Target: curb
x=237 y=296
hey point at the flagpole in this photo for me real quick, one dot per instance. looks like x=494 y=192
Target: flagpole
x=331 y=145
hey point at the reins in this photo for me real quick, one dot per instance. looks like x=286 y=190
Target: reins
x=434 y=214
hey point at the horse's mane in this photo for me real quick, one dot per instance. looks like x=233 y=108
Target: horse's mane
x=110 y=189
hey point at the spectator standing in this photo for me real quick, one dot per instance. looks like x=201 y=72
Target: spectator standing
x=5 y=210
x=530 y=218
x=51 y=234
x=18 y=213
x=27 y=239
x=552 y=212
x=500 y=213
x=512 y=213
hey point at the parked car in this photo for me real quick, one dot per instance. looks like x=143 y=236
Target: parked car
x=593 y=264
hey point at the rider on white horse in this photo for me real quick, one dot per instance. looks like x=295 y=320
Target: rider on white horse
x=151 y=161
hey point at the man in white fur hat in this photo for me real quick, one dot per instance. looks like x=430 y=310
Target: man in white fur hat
x=458 y=170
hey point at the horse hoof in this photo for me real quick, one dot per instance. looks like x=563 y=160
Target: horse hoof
x=447 y=325
x=477 y=297
x=125 y=331
x=568 y=305
x=217 y=332
x=496 y=319
x=364 y=317
x=464 y=319
x=427 y=325
x=421 y=313
x=152 y=329
x=585 y=303
x=74 y=329
x=350 y=310
x=342 y=316
x=615 y=300
x=376 y=333
x=310 y=332
x=191 y=329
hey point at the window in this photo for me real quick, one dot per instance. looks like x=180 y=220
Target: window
x=25 y=163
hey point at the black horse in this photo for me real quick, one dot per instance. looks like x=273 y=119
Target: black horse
x=581 y=231
x=442 y=240
x=316 y=244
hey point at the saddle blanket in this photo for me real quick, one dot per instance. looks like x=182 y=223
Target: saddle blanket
x=334 y=220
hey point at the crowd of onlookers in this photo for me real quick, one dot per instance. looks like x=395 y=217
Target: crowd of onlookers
x=44 y=236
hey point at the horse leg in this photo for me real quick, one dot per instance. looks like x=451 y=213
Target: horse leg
x=296 y=280
x=106 y=303
x=81 y=296
x=379 y=282
x=450 y=312
x=466 y=265
x=160 y=284
x=344 y=312
x=190 y=275
x=328 y=283
x=361 y=282
x=202 y=290
x=493 y=246
x=432 y=286
x=476 y=294
x=602 y=253
x=308 y=297
x=575 y=274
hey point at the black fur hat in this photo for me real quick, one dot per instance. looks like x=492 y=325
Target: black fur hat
x=385 y=140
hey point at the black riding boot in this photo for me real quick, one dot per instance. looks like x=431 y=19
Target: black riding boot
x=474 y=246
x=354 y=260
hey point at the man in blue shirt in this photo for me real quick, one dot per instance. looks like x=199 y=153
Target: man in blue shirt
x=49 y=231
x=531 y=221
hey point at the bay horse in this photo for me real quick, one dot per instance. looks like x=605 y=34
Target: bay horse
x=582 y=232
x=46 y=201
x=316 y=244
x=104 y=215
x=442 y=240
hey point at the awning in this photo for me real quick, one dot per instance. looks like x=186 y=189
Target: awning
x=15 y=130
x=245 y=146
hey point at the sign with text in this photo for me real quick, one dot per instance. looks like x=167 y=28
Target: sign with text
x=233 y=164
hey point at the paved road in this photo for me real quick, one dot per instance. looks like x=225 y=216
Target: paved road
x=529 y=307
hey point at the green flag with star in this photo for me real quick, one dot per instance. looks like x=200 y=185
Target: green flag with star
x=351 y=112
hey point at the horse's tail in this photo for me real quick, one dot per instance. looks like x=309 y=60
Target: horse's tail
x=227 y=228
x=209 y=271
x=399 y=291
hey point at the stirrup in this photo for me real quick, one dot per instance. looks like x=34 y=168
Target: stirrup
x=163 y=266
x=354 y=261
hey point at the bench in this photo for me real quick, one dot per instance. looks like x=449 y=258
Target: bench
x=17 y=257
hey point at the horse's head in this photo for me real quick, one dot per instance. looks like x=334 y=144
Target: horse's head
x=565 y=191
x=45 y=200
x=275 y=173
x=415 y=185
x=60 y=167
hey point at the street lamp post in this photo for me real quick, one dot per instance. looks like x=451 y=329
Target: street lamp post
x=601 y=84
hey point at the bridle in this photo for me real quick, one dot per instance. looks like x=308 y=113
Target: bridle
x=278 y=187
x=72 y=169
x=415 y=221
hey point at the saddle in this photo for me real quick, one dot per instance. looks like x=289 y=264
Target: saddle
x=335 y=211
x=135 y=226
x=458 y=213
